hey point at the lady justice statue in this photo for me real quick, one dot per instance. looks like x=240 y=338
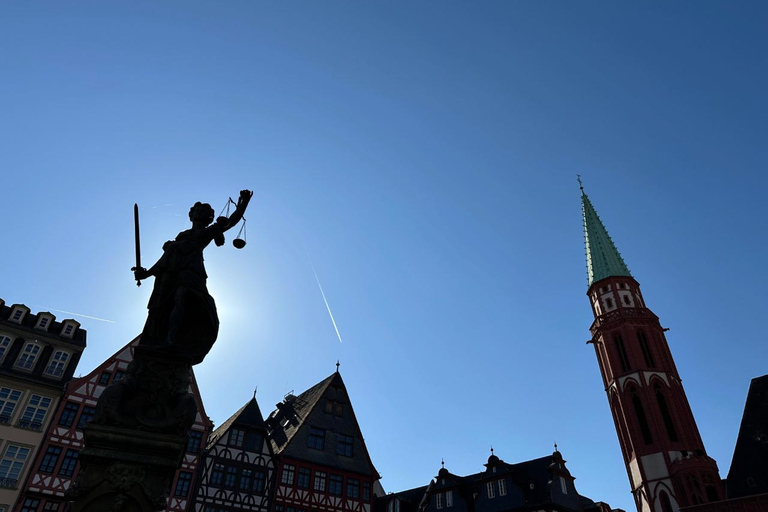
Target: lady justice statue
x=182 y=316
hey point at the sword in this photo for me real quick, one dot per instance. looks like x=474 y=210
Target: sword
x=138 y=242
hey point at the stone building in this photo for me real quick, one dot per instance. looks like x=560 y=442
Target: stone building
x=38 y=355
x=542 y=484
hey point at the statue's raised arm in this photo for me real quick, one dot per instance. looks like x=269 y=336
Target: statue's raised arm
x=242 y=204
x=182 y=314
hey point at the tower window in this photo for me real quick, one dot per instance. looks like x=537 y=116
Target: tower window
x=490 y=489
x=666 y=506
x=668 y=424
x=609 y=303
x=623 y=358
x=646 y=349
x=626 y=300
x=640 y=413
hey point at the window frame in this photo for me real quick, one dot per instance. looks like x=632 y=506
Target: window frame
x=5 y=402
x=6 y=340
x=345 y=445
x=70 y=459
x=316 y=438
x=23 y=354
x=57 y=366
x=184 y=481
x=35 y=422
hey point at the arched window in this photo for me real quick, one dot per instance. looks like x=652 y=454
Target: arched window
x=646 y=349
x=57 y=363
x=28 y=356
x=666 y=506
x=668 y=423
x=623 y=359
x=641 y=418
x=709 y=488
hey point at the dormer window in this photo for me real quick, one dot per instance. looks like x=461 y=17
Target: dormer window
x=57 y=364
x=5 y=343
x=69 y=328
x=439 y=500
x=502 y=487
x=28 y=356
x=448 y=498
x=43 y=321
x=490 y=489
x=17 y=314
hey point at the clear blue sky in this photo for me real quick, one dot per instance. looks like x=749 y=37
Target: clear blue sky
x=425 y=155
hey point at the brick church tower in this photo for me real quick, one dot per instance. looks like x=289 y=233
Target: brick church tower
x=666 y=462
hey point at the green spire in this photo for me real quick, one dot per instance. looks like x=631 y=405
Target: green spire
x=603 y=259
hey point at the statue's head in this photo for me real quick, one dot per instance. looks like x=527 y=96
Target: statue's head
x=201 y=212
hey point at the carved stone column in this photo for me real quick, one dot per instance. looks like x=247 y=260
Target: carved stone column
x=138 y=437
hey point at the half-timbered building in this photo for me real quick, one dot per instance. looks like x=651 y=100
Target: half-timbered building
x=324 y=464
x=237 y=471
x=38 y=355
x=56 y=466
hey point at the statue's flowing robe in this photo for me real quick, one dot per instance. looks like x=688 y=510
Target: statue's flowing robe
x=181 y=311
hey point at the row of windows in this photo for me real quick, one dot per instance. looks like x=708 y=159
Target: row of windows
x=644 y=348
x=29 y=356
x=105 y=376
x=490 y=488
x=34 y=412
x=321 y=481
x=666 y=416
x=233 y=477
x=31 y=504
x=443 y=498
x=345 y=445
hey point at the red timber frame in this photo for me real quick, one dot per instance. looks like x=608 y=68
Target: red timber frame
x=55 y=468
x=317 y=497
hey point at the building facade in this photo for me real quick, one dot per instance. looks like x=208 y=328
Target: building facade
x=542 y=484
x=665 y=458
x=55 y=468
x=237 y=471
x=38 y=355
x=324 y=464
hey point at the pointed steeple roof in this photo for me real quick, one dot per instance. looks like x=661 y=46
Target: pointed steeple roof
x=603 y=259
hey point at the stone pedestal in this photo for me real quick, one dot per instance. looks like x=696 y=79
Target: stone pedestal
x=126 y=470
x=138 y=437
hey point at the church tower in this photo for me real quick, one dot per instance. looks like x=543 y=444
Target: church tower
x=666 y=462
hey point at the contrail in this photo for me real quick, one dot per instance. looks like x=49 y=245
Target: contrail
x=75 y=314
x=324 y=299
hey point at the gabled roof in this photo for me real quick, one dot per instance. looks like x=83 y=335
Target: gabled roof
x=290 y=423
x=249 y=415
x=603 y=259
x=748 y=475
